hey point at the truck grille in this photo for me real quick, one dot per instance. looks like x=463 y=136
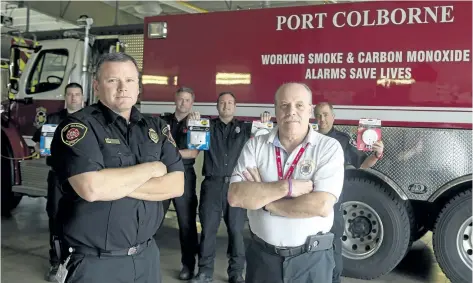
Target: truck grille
x=34 y=177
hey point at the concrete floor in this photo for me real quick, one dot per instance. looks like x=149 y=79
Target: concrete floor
x=24 y=251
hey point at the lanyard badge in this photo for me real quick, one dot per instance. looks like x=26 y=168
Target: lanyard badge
x=289 y=172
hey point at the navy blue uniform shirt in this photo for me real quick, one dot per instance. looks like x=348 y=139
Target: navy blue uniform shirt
x=97 y=138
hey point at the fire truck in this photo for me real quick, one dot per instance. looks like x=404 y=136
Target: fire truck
x=406 y=63
x=38 y=70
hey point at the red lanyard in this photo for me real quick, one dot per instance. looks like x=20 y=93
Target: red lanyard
x=293 y=165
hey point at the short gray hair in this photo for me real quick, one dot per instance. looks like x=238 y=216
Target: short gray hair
x=291 y=83
x=114 y=57
x=186 y=89
x=324 y=104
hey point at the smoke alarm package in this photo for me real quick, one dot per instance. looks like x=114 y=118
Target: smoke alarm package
x=198 y=134
x=369 y=132
x=259 y=128
x=315 y=126
x=47 y=134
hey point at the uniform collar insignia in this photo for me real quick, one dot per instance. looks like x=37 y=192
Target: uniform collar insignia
x=153 y=135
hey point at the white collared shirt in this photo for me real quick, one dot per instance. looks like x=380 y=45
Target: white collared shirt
x=322 y=162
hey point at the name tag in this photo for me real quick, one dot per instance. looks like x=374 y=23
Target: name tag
x=112 y=141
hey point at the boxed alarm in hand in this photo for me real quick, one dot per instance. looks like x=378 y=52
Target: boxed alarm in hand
x=315 y=126
x=47 y=134
x=198 y=134
x=369 y=132
x=259 y=128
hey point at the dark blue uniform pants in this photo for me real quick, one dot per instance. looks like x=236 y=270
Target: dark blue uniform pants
x=140 y=268
x=52 y=203
x=337 y=230
x=186 y=210
x=213 y=202
x=309 y=267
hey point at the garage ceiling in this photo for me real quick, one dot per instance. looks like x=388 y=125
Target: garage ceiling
x=54 y=15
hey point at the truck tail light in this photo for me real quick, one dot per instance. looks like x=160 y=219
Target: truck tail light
x=157 y=30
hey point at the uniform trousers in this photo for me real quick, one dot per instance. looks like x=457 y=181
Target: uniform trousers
x=213 y=203
x=143 y=267
x=52 y=204
x=309 y=267
x=186 y=210
x=337 y=229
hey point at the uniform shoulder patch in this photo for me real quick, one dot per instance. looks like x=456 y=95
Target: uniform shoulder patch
x=166 y=131
x=72 y=133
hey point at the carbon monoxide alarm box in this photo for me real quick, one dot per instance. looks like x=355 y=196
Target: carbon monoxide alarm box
x=47 y=134
x=314 y=126
x=369 y=132
x=198 y=134
x=259 y=128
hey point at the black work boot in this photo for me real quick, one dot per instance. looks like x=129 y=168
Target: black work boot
x=202 y=278
x=51 y=274
x=186 y=273
x=236 y=279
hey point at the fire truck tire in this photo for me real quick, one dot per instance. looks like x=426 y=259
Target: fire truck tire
x=452 y=238
x=9 y=200
x=377 y=229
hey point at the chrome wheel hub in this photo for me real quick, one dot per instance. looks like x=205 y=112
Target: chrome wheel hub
x=363 y=232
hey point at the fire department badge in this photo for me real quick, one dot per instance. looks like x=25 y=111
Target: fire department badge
x=167 y=133
x=237 y=130
x=153 y=135
x=72 y=133
x=40 y=117
x=306 y=167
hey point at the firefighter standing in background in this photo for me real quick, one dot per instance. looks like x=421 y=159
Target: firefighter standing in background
x=325 y=117
x=227 y=137
x=116 y=166
x=74 y=100
x=289 y=181
x=186 y=205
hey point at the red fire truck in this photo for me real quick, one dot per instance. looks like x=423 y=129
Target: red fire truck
x=406 y=63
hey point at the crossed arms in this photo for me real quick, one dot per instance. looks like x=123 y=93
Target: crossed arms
x=82 y=164
x=310 y=198
x=147 y=181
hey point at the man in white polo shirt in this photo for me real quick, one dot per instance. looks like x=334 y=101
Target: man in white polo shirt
x=289 y=180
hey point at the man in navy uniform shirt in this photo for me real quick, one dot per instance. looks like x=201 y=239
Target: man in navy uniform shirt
x=116 y=166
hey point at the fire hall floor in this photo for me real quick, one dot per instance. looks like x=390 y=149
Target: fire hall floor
x=24 y=252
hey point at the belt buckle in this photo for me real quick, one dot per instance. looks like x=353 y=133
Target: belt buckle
x=278 y=250
x=132 y=250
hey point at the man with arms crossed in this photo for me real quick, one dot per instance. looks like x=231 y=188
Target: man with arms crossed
x=186 y=205
x=116 y=165
x=288 y=181
x=325 y=117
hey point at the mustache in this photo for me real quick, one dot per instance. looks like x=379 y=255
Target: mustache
x=291 y=118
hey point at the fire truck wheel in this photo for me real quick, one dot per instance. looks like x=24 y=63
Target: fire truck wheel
x=452 y=238
x=9 y=200
x=377 y=229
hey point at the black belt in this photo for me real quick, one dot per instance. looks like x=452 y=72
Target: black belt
x=125 y=252
x=218 y=178
x=313 y=243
